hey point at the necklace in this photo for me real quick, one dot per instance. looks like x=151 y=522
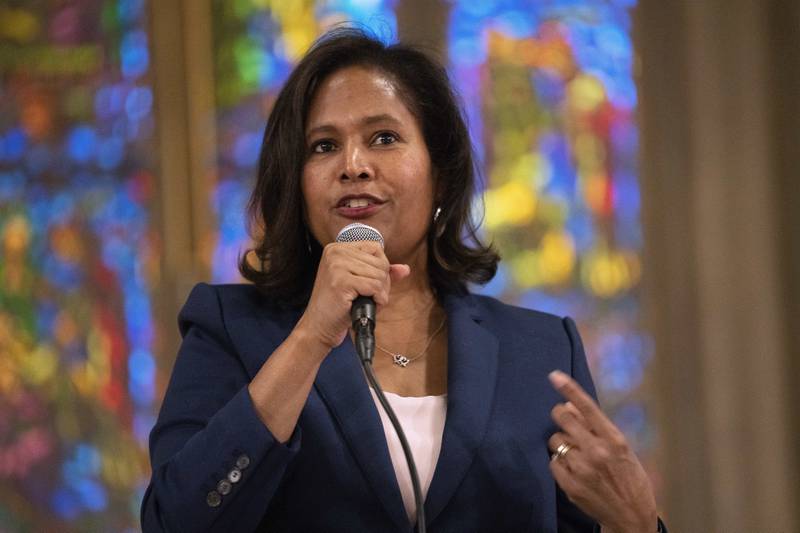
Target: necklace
x=402 y=360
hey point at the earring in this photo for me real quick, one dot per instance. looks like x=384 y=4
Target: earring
x=437 y=213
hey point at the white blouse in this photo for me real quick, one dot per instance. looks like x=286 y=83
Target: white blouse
x=422 y=419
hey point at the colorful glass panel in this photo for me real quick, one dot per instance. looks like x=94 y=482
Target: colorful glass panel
x=77 y=256
x=549 y=94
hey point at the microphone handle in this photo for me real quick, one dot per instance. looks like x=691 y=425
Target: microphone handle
x=362 y=313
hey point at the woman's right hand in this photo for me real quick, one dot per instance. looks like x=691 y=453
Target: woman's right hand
x=347 y=270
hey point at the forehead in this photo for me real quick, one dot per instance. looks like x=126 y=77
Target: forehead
x=350 y=94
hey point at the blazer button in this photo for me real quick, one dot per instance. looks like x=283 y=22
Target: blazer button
x=234 y=475
x=242 y=462
x=213 y=499
x=224 y=487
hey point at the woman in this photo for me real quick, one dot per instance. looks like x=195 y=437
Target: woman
x=268 y=422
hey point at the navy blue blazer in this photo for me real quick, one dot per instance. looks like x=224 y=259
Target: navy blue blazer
x=216 y=466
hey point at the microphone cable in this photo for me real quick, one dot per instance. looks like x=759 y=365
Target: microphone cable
x=412 y=467
x=362 y=315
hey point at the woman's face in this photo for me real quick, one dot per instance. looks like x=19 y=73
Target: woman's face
x=367 y=162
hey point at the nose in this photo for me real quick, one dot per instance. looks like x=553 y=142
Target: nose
x=356 y=163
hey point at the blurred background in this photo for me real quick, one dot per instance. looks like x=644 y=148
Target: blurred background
x=640 y=174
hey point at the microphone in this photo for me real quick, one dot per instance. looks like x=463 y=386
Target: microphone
x=362 y=313
x=363 y=316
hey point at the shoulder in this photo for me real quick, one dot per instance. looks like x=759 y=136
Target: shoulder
x=221 y=303
x=238 y=318
x=233 y=296
x=534 y=337
x=498 y=315
x=493 y=306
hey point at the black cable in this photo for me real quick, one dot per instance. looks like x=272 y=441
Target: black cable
x=366 y=363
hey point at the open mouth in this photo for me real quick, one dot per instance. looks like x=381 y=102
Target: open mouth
x=353 y=203
x=358 y=207
x=358 y=202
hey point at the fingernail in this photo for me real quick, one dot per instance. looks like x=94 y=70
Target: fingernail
x=557 y=378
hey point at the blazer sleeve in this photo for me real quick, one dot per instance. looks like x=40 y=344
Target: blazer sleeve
x=570 y=518
x=215 y=465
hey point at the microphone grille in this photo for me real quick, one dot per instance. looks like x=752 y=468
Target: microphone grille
x=359 y=232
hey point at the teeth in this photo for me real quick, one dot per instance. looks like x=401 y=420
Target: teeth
x=357 y=202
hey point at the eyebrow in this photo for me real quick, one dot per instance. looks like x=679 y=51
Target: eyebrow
x=366 y=121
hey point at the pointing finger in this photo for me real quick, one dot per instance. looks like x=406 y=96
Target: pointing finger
x=586 y=406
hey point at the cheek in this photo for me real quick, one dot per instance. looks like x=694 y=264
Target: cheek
x=417 y=184
x=414 y=171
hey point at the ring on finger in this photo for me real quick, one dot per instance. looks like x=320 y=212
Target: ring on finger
x=562 y=450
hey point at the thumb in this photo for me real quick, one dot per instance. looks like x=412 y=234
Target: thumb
x=398 y=272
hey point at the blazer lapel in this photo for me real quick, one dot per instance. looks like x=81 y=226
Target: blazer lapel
x=471 y=377
x=342 y=385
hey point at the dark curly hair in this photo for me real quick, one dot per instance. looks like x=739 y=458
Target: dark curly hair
x=287 y=257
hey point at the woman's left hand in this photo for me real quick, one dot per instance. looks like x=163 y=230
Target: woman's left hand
x=598 y=471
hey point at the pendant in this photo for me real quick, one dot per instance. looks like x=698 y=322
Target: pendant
x=400 y=359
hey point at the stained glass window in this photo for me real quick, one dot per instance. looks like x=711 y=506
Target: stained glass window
x=550 y=96
x=77 y=256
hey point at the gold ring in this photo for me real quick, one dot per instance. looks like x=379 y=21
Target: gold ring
x=562 y=450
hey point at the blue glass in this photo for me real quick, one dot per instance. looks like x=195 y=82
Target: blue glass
x=130 y=11
x=109 y=101
x=38 y=159
x=65 y=276
x=142 y=393
x=631 y=419
x=378 y=15
x=92 y=495
x=13 y=144
x=46 y=313
x=549 y=87
x=516 y=23
x=12 y=183
x=65 y=504
x=138 y=103
x=134 y=54
x=581 y=227
x=620 y=364
x=246 y=149
x=110 y=153
x=143 y=422
x=81 y=143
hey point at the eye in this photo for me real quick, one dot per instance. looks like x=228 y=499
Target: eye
x=323 y=146
x=385 y=138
